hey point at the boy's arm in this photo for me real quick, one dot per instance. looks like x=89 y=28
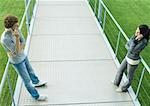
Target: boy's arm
x=22 y=40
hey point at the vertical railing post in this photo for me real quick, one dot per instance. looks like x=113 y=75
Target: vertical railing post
x=95 y=5
x=140 y=82
x=117 y=46
x=102 y=9
x=10 y=88
x=27 y=17
x=104 y=21
x=4 y=77
x=100 y=12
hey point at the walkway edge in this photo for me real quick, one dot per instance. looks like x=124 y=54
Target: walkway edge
x=130 y=90
x=19 y=80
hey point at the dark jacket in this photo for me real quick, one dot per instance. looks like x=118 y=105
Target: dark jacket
x=134 y=47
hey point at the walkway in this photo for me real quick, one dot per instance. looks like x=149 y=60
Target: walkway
x=67 y=50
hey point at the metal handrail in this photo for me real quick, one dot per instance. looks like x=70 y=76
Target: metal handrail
x=24 y=15
x=123 y=33
x=4 y=77
x=106 y=11
x=8 y=62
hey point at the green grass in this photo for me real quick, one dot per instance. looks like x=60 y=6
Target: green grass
x=129 y=14
x=15 y=7
x=8 y=7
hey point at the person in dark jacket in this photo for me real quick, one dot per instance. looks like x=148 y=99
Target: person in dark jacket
x=132 y=59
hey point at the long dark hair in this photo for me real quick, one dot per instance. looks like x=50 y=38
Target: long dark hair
x=145 y=31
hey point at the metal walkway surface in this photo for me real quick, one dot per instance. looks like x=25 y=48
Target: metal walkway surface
x=68 y=50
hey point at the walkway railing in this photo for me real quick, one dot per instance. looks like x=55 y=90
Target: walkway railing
x=28 y=14
x=110 y=28
x=103 y=15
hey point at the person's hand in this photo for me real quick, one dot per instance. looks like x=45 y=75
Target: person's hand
x=22 y=46
x=11 y=54
x=16 y=33
x=139 y=37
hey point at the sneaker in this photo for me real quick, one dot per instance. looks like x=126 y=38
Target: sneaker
x=119 y=90
x=113 y=82
x=40 y=84
x=42 y=98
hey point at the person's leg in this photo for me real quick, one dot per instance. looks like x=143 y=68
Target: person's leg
x=130 y=69
x=22 y=71
x=32 y=75
x=119 y=74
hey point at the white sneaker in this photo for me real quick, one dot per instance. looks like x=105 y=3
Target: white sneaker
x=119 y=90
x=40 y=84
x=42 y=97
x=113 y=82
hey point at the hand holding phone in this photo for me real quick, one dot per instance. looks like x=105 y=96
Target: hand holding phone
x=139 y=37
x=16 y=33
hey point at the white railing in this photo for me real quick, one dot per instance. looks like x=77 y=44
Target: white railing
x=100 y=5
x=26 y=16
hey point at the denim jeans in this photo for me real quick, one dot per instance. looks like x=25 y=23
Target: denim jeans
x=130 y=73
x=27 y=74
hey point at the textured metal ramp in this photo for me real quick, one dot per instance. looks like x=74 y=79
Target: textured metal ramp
x=54 y=26
x=67 y=50
x=73 y=47
x=76 y=82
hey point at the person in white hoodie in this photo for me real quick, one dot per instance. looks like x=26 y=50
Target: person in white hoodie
x=13 y=43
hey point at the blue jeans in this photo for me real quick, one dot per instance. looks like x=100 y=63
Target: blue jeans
x=27 y=74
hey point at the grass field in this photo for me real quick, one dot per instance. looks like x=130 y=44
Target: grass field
x=15 y=7
x=129 y=14
x=8 y=7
